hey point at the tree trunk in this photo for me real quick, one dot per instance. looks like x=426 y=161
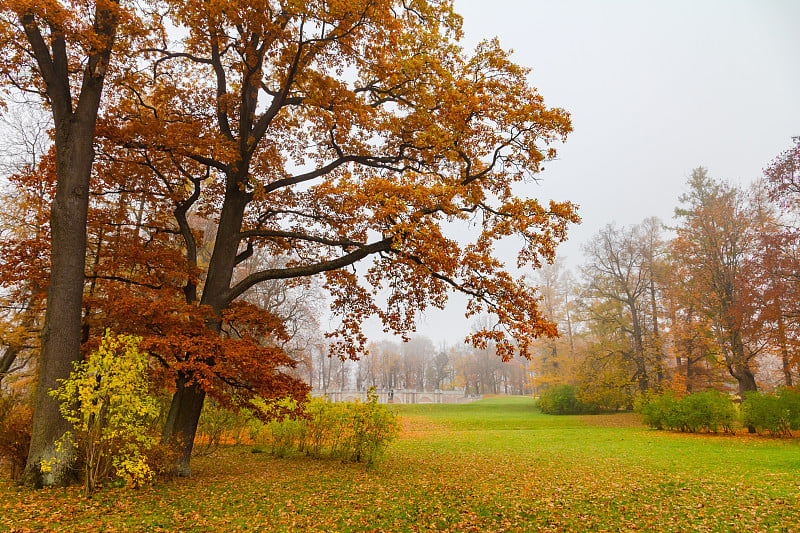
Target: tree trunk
x=74 y=130
x=61 y=334
x=747 y=383
x=657 y=347
x=181 y=425
x=187 y=402
x=638 y=342
x=740 y=369
x=785 y=359
x=689 y=374
x=747 y=380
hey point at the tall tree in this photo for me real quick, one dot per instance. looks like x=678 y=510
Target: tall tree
x=62 y=51
x=780 y=253
x=714 y=242
x=620 y=290
x=773 y=290
x=333 y=132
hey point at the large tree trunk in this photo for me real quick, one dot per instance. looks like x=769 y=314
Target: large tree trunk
x=74 y=129
x=61 y=333
x=747 y=383
x=746 y=379
x=740 y=369
x=181 y=425
x=187 y=402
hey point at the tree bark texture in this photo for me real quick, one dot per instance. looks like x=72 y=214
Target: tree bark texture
x=61 y=334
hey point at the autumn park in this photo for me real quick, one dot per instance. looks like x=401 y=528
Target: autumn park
x=207 y=204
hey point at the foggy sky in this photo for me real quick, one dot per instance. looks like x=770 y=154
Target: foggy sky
x=655 y=89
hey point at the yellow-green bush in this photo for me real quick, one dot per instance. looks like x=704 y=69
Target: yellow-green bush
x=106 y=398
x=352 y=432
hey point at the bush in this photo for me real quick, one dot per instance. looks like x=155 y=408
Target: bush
x=15 y=432
x=106 y=400
x=658 y=412
x=217 y=424
x=791 y=402
x=560 y=400
x=368 y=428
x=773 y=414
x=352 y=432
x=710 y=411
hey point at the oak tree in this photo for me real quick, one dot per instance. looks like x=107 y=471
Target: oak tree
x=333 y=132
x=322 y=134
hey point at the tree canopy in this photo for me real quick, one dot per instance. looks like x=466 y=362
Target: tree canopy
x=320 y=134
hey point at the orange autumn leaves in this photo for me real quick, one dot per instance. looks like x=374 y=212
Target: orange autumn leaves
x=323 y=135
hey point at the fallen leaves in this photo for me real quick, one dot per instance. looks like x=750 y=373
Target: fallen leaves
x=523 y=473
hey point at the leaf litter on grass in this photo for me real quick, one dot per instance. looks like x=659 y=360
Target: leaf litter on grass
x=525 y=472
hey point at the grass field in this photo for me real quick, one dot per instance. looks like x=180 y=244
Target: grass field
x=493 y=465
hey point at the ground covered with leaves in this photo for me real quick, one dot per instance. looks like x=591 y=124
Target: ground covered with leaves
x=494 y=465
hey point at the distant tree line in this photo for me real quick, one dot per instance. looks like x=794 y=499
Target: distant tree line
x=707 y=301
x=420 y=366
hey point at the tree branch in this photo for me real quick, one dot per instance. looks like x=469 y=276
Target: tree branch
x=307 y=270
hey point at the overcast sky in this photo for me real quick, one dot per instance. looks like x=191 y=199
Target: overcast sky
x=655 y=89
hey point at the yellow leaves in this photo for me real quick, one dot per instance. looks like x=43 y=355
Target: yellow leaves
x=106 y=399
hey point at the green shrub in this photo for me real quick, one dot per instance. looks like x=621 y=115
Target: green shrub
x=560 y=400
x=709 y=411
x=15 y=432
x=702 y=411
x=658 y=412
x=791 y=402
x=776 y=415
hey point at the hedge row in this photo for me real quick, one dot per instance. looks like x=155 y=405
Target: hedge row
x=710 y=411
x=350 y=431
x=776 y=414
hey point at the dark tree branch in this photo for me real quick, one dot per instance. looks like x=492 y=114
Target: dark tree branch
x=55 y=76
x=245 y=254
x=307 y=270
x=298 y=236
x=125 y=281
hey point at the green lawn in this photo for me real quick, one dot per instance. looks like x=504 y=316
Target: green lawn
x=493 y=465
